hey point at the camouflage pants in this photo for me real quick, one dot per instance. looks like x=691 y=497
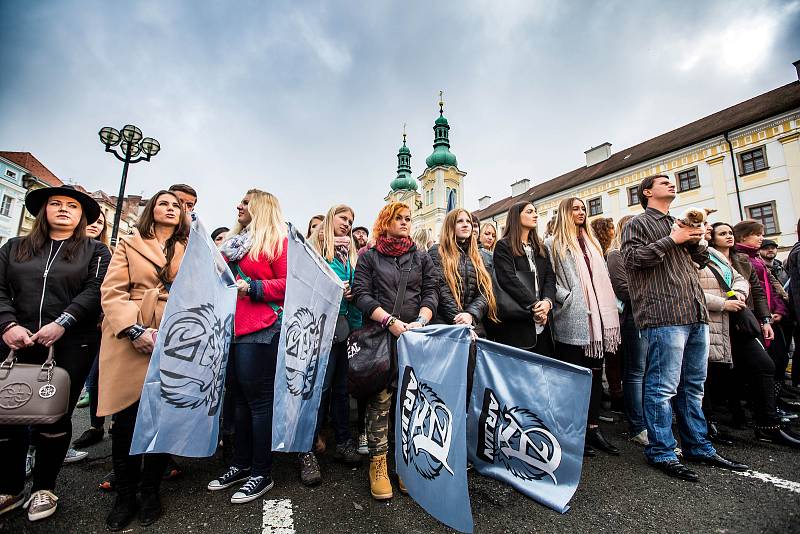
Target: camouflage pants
x=378 y=407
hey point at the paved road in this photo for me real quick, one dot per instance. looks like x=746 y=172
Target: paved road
x=617 y=494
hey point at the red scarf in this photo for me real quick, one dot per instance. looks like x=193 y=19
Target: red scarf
x=394 y=246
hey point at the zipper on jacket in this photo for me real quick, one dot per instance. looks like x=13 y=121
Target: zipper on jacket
x=97 y=273
x=48 y=264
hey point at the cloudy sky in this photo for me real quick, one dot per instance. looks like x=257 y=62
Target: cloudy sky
x=308 y=99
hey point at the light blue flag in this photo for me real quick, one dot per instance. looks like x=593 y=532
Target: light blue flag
x=311 y=306
x=430 y=421
x=527 y=422
x=182 y=394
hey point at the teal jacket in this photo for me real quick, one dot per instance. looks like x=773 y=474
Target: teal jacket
x=348 y=309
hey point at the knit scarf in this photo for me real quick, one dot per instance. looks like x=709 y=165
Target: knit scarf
x=236 y=247
x=393 y=246
x=604 y=330
x=341 y=248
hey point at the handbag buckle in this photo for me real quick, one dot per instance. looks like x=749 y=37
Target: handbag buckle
x=7 y=364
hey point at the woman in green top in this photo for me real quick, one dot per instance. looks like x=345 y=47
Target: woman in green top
x=334 y=242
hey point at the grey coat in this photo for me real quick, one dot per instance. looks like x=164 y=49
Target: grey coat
x=570 y=314
x=719 y=346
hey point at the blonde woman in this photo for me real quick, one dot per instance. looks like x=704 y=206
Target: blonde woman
x=585 y=319
x=421 y=239
x=334 y=242
x=255 y=250
x=465 y=287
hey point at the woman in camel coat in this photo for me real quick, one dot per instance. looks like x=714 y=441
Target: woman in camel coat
x=133 y=296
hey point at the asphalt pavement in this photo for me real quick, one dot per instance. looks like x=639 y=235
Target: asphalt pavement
x=616 y=494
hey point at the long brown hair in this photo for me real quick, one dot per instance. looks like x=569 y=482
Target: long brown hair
x=604 y=232
x=616 y=243
x=146 y=226
x=449 y=253
x=30 y=245
x=324 y=240
x=103 y=236
x=513 y=232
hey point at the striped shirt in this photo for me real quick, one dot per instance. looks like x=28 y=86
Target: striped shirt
x=662 y=277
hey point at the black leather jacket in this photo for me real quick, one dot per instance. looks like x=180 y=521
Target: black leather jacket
x=377 y=279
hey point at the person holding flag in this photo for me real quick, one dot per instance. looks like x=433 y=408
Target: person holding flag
x=334 y=242
x=377 y=285
x=256 y=252
x=134 y=295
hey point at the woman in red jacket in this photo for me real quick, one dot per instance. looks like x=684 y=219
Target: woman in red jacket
x=256 y=253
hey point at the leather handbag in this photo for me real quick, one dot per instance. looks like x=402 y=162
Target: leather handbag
x=743 y=322
x=32 y=394
x=509 y=309
x=369 y=351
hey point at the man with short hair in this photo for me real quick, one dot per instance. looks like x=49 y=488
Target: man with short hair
x=669 y=309
x=768 y=251
x=361 y=236
x=185 y=194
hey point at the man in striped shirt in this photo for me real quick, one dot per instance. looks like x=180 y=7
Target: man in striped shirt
x=670 y=311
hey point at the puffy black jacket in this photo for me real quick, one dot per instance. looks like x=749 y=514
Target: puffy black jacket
x=472 y=301
x=377 y=279
x=33 y=300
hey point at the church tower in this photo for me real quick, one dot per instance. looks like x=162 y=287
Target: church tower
x=442 y=181
x=404 y=186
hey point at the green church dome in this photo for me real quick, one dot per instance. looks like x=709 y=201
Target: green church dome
x=404 y=181
x=441 y=144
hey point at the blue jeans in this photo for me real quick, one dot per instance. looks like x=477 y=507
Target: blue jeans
x=334 y=394
x=634 y=348
x=252 y=366
x=677 y=362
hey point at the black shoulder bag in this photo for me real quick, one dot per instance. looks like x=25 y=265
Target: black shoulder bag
x=743 y=322
x=369 y=351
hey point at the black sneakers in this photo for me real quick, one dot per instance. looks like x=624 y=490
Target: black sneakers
x=347 y=454
x=232 y=476
x=254 y=488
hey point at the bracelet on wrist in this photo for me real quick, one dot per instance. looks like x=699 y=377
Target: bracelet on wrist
x=421 y=320
x=391 y=321
x=9 y=326
x=135 y=332
x=65 y=320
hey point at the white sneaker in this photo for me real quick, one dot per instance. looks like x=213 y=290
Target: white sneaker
x=641 y=439
x=363 y=445
x=254 y=488
x=41 y=504
x=75 y=456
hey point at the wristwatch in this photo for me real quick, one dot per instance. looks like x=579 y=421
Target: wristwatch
x=65 y=320
x=766 y=320
x=135 y=332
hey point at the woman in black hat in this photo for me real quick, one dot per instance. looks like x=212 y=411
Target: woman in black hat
x=49 y=296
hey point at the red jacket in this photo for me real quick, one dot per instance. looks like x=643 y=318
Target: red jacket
x=268 y=284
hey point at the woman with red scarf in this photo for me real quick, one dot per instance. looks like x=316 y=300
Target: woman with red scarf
x=375 y=289
x=749 y=236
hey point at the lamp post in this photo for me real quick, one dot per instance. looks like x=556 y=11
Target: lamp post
x=133 y=149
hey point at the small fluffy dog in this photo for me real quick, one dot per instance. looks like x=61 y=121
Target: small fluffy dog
x=697 y=218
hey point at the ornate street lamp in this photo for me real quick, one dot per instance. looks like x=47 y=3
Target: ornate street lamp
x=132 y=149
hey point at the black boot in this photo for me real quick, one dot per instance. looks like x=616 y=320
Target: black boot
x=123 y=512
x=596 y=439
x=716 y=436
x=152 y=470
x=151 y=509
x=778 y=434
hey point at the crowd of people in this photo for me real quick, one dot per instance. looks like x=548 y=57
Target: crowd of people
x=669 y=317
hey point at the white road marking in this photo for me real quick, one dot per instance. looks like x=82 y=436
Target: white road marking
x=277 y=517
x=775 y=481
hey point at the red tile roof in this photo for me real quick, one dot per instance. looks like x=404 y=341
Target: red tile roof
x=28 y=161
x=756 y=109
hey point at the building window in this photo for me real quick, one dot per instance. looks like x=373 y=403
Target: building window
x=688 y=180
x=595 y=206
x=765 y=214
x=633 y=195
x=5 y=207
x=752 y=161
x=10 y=173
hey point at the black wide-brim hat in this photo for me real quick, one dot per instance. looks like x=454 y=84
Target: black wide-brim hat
x=37 y=198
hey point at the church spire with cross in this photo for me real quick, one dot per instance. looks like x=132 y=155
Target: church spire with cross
x=404 y=180
x=441 y=155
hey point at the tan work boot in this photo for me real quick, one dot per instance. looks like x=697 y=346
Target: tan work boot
x=403 y=489
x=379 y=484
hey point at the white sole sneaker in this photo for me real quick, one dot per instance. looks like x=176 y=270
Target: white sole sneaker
x=241 y=498
x=18 y=504
x=75 y=456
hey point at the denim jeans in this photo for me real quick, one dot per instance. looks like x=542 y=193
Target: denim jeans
x=252 y=366
x=634 y=347
x=677 y=362
x=334 y=394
